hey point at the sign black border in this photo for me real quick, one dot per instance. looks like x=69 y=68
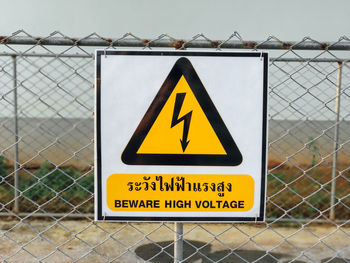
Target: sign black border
x=98 y=169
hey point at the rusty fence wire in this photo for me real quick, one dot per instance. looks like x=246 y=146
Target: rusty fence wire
x=46 y=157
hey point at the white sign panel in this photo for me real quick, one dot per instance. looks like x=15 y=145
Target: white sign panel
x=180 y=136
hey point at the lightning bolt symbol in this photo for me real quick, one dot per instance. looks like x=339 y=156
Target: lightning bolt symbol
x=186 y=119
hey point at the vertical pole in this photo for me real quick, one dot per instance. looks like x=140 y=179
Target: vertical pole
x=336 y=142
x=15 y=165
x=178 y=243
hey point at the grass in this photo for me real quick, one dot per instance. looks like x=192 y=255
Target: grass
x=49 y=188
x=305 y=195
x=49 y=181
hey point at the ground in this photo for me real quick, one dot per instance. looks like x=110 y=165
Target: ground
x=86 y=241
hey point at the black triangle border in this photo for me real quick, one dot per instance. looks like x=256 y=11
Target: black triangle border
x=182 y=67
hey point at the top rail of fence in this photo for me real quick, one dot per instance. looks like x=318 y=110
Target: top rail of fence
x=160 y=42
x=273 y=59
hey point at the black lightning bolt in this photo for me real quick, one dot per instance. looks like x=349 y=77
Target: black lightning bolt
x=186 y=119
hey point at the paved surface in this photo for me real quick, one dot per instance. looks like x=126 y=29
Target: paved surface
x=70 y=240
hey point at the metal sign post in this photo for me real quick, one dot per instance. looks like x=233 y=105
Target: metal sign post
x=178 y=242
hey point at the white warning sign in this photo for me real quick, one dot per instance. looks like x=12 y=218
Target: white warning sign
x=180 y=136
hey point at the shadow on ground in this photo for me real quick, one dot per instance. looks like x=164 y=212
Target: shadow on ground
x=335 y=260
x=163 y=252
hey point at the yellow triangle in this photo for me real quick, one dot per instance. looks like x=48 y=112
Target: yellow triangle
x=164 y=139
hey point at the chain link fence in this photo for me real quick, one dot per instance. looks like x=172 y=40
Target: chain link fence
x=46 y=157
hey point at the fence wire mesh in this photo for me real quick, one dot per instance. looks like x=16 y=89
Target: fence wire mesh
x=46 y=159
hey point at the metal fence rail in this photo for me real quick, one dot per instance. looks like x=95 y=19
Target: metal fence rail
x=46 y=158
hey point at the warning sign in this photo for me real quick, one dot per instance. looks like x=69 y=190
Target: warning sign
x=180 y=136
x=182 y=126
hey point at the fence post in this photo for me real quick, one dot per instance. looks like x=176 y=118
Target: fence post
x=178 y=243
x=15 y=165
x=336 y=140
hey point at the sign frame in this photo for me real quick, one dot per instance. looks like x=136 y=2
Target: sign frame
x=99 y=216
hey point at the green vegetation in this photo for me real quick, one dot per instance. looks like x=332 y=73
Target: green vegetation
x=65 y=189
x=305 y=195
x=314 y=149
x=3 y=167
x=49 y=182
x=51 y=188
